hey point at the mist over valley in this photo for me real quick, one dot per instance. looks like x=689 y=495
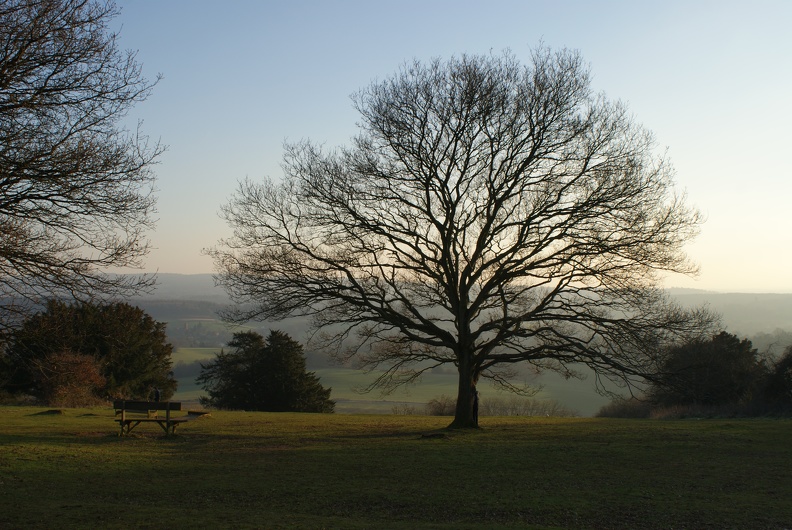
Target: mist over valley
x=191 y=306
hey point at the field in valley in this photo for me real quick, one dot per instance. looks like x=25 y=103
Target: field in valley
x=267 y=470
x=576 y=395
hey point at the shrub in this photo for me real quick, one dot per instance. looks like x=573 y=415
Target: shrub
x=70 y=379
x=53 y=349
x=404 y=409
x=626 y=408
x=518 y=406
x=778 y=388
x=263 y=374
x=721 y=371
x=499 y=406
x=441 y=406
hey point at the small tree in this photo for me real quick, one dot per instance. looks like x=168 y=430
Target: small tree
x=267 y=375
x=721 y=371
x=76 y=189
x=488 y=215
x=129 y=347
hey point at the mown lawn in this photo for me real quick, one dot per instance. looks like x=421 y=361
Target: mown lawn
x=261 y=470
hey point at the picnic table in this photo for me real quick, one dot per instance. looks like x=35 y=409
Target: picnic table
x=133 y=413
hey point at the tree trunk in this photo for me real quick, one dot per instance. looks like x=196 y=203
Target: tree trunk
x=466 y=415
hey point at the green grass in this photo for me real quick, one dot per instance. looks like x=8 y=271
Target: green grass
x=265 y=470
x=189 y=355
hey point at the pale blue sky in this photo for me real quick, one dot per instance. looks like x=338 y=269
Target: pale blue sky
x=712 y=79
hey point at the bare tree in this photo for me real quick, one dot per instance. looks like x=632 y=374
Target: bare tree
x=75 y=186
x=488 y=215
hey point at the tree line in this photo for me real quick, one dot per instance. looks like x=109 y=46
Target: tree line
x=721 y=376
x=87 y=354
x=84 y=354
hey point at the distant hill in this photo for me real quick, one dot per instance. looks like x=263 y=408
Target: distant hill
x=188 y=287
x=743 y=313
x=191 y=305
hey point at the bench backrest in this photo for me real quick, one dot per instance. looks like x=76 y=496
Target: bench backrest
x=144 y=406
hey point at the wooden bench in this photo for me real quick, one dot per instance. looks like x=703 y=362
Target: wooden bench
x=133 y=413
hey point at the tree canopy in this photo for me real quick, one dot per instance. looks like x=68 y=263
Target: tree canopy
x=76 y=188
x=488 y=215
x=778 y=390
x=722 y=375
x=263 y=374
x=126 y=348
x=723 y=370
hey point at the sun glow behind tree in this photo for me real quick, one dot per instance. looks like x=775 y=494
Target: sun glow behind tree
x=488 y=215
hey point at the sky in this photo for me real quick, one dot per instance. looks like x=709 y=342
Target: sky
x=711 y=79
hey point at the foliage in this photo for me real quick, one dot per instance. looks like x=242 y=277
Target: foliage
x=76 y=188
x=723 y=370
x=720 y=377
x=520 y=406
x=620 y=407
x=127 y=348
x=441 y=406
x=488 y=214
x=772 y=344
x=69 y=379
x=266 y=375
x=778 y=387
x=497 y=406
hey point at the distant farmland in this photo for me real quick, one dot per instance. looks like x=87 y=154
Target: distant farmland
x=347 y=383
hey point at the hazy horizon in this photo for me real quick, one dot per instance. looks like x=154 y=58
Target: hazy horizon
x=667 y=286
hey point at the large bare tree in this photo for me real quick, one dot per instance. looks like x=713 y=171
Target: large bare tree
x=488 y=215
x=75 y=186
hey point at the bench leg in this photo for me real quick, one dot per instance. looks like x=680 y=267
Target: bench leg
x=126 y=426
x=129 y=426
x=167 y=426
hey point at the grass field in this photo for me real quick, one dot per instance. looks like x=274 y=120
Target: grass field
x=266 y=470
x=190 y=355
